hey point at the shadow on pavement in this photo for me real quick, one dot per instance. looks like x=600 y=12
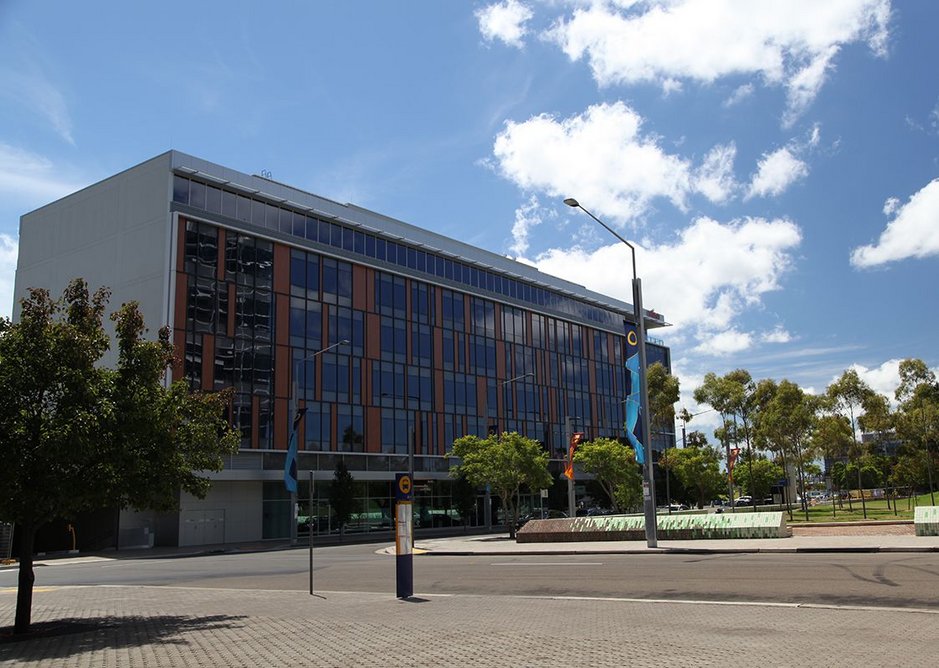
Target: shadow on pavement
x=100 y=633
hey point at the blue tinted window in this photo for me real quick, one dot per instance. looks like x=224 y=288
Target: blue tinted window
x=258 y=210
x=335 y=235
x=380 y=249
x=197 y=195
x=369 y=245
x=180 y=190
x=213 y=199
x=243 y=209
x=360 y=243
x=312 y=276
x=297 y=271
x=228 y=203
x=348 y=239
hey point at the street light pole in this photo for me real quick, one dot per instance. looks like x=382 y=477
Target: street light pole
x=293 y=410
x=648 y=492
x=487 y=512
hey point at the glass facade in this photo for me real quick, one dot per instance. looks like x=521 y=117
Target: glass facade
x=410 y=359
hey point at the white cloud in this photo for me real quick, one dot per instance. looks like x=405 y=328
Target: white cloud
x=778 y=335
x=8 y=253
x=776 y=171
x=788 y=43
x=504 y=21
x=739 y=95
x=31 y=178
x=527 y=216
x=35 y=93
x=725 y=343
x=912 y=233
x=715 y=177
x=883 y=379
x=710 y=275
x=602 y=157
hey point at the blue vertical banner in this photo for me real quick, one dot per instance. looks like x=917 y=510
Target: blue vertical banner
x=633 y=384
x=290 y=465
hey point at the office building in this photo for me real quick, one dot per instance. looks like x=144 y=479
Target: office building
x=256 y=278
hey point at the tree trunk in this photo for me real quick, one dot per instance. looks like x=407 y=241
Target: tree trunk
x=24 y=590
x=860 y=486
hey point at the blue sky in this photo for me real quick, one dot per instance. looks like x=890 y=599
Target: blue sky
x=776 y=162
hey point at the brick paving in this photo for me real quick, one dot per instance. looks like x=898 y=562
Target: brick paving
x=854 y=530
x=165 y=626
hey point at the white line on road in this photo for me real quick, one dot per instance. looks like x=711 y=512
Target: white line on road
x=546 y=563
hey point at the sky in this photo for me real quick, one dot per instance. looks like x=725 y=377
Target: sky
x=776 y=163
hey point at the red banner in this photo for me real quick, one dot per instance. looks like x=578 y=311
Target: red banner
x=734 y=453
x=576 y=439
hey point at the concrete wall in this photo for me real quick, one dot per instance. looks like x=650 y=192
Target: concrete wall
x=115 y=233
x=240 y=503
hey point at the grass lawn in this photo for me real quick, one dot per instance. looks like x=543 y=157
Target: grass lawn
x=876 y=510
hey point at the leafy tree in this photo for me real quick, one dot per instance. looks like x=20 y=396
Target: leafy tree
x=787 y=423
x=832 y=438
x=917 y=417
x=505 y=463
x=463 y=494
x=75 y=436
x=848 y=395
x=759 y=476
x=614 y=466
x=342 y=496
x=663 y=395
x=698 y=469
x=719 y=393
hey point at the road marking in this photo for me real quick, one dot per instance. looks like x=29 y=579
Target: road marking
x=546 y=563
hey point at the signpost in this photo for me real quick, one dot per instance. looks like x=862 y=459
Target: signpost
x=404 y=536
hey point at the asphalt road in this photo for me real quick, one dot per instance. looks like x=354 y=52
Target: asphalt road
x=898 y=580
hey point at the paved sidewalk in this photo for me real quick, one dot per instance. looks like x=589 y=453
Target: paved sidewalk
x=167 y=626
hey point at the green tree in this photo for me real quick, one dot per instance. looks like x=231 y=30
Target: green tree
x=614 y=466
x=697 y=469
x=463 y=494
x=787 y=423
x=917 y=416
x=717 y=393
x=663 y=395
x=848 y=395
x=832 y=438
x=342 y=496
x=759 y=476
x=75 y=436
x=505 y=463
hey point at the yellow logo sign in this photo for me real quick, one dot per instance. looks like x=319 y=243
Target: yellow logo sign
x=404 y=484
x=632 y=339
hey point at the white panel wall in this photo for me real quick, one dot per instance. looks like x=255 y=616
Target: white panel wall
x=241 y=503
x=114 y=233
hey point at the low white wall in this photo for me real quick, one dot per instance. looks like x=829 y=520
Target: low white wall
x=241 y=503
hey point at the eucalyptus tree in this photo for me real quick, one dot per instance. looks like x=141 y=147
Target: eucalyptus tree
x=717 y=393
x=743 y=405
x=848 y=395
x=787 y=422
x=697 y=469
x=917 y=417
x=664 y=392
x=832 y=438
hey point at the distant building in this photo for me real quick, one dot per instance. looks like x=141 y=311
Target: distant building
x=256 y=277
